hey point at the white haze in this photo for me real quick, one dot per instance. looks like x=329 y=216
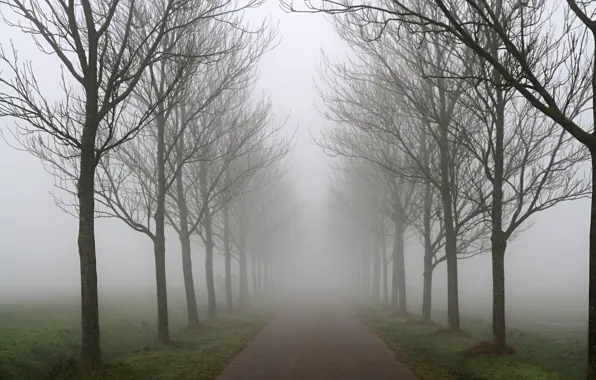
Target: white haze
x=546 y=265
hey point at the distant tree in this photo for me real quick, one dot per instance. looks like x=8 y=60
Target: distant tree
x=252 y=128
x=250 y=205
x=358 y=193
x=219 y=125
x=379 y=94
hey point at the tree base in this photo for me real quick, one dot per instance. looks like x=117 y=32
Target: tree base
x=489 y=348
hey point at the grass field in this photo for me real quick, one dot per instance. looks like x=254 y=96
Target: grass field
x=543 y=352
x=40 y=340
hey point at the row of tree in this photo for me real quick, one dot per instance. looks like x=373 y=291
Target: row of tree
x=158 y=125
x=447 y=116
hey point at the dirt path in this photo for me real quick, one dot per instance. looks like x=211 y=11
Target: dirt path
x=316 y=339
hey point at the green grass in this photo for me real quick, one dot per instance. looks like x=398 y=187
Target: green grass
x=438 y=355
x=39 y=341
x=558 y=349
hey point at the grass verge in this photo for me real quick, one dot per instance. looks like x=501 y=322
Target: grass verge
x=434 y=354
x=198 y=354
x=40 y=340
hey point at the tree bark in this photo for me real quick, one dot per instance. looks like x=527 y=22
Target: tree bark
x=184 y=237
x=90 y=345
x=450 y=234
x=242 y=257
x=395 y=266
x=163 y=332
x=385 y=271
x=498 y=267
x=427 y=287
x=159 y=241
x=208 y=240
x=401 y=266
x=211 y=300
x=376 y=279
x=592 y=272
x=228 y=258
x=498 y=238
x=189 y=284
x=428 y=255
x=427 y=284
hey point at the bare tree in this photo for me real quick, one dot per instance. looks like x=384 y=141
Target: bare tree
x=522 y=34
x=137 y=178
x=531 y=151
x=248 y=203
x=276 y=206
x=359 y=194
x=381 y=93
x=252 y=129
x=530 y=165
x=214 y=125
x=104 y=55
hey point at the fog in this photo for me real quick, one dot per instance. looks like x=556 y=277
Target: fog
x=546 y=266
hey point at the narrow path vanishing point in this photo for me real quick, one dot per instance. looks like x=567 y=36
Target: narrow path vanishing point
x=316 y=339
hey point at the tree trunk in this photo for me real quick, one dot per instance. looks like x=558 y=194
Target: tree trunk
x=228 y=258
x=189 y=284
x=253 y=264
x=395 y=268
x=90 y=334
x=211 y=300
x=159 y=250
x=208 y=240
x=450 y=234
x=452 y=280
x=376 y=280
x=385 y=271
x=498 y=238
x=427 y=284
x=159 y=242
x=242 y=256
x=498 y=267
x=427 y=287
x=401 y=266
x=592 y=274
x=184 y=236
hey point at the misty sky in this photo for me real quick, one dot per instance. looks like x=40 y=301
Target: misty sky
x=38 y=240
